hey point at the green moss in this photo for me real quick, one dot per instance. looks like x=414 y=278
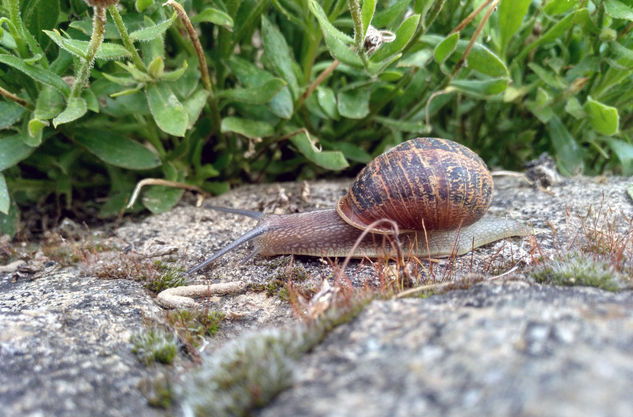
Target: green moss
x=249 y=371
x=169 y=276
x=578 y=269
x=193 y=325
x=155 y=345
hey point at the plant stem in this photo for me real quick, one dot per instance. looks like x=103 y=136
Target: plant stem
x=326 y=73
x=204 y=70
x=98 y=29
x=13 y=97
x=125 y=37
x=359 y=36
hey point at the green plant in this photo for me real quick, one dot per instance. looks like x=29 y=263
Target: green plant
x=193 y=325
x=285 y=89
x=155 y=344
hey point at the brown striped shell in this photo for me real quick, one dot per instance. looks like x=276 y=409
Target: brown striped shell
x=433 y=182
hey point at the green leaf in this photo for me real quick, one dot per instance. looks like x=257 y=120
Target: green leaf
x=482 y=59
x=156 y=67
x=159 y=199
x=215 y=16
x=326 y=26
x=5 y=200
x=333 y=160
x=568 y=153
x=367 y=13
x=152 y=32
x=511 y=14
x=403 y=35
x=141 y=5
x=277 y=50
x=604 y=119
x=554 y=7
x=44 y=76
x=13 y=150
x=574 y=108
x=548 y=76
x=10 y=113
x=35 y=128
x=354 y=104
x=327 y=101
x=10 y=222
x=116 y=150
x=175 y=74
x=618 y=10
x=49 y=103
x=386 y=16
x=480 y=88
x=402 y=125
x=194 y=105
x=553 y=33
x=281 y=105
x=38 y=15
x=342 y=51
x=106 y=51
x=445 y=48
x=624 y=152
x=167 y=110
x=261 y=94
x=75 y=109
x=247 y=127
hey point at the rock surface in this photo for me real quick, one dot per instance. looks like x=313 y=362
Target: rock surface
x=498 y=348
x=508 y=349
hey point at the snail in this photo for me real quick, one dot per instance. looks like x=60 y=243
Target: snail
x=435 y=190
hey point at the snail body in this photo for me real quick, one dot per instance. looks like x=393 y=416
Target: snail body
x=435 y=191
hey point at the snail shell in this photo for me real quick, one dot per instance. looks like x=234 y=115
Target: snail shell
x=421 y=184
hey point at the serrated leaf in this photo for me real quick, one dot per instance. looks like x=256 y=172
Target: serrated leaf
x=277 y=50
x=568 y=153
x=10 y=113
x=354 y=104
x=215 y=16
x=13 y=150
x=116 y=150
x=247 y=127
x=5 y=200
x=404 y=33
x=604 y=119
x=75 y=109
x=333 y=160
x=445 y=48
x=152 y=32
x=168 y=112
x=44 y=76
x=106 y=51
x=159 y=199
x=618 y=10
x=261 y=94
x=511 y=14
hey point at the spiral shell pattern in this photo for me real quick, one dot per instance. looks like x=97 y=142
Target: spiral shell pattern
x=424 y=183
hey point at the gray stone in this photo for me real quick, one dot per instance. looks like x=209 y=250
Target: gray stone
x=502 y=349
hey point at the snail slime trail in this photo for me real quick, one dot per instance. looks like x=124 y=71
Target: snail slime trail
x=435 y=190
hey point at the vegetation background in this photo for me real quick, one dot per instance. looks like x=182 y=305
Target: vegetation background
x=97 y=95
